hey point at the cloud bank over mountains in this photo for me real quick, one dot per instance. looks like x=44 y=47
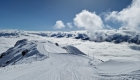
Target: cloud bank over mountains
x=128 y=18
x=89 y=21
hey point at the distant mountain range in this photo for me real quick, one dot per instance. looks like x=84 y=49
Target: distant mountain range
x=116 y=36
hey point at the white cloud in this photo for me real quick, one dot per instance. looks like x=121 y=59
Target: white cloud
x=69 y=25
x=59 y=25
x=129 y=17
x=89 y=21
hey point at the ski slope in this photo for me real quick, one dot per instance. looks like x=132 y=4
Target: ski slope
x=120 y=61
x=59 y=66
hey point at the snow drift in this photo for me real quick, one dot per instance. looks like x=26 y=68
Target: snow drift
x=118 y=67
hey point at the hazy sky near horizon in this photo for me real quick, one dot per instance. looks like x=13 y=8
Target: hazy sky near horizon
x=43 y=15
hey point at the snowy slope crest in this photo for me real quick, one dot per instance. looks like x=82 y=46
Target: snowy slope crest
x=73 y=50
x=24 y=51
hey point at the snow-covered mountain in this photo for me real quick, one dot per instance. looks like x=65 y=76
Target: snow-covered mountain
x=116 y=36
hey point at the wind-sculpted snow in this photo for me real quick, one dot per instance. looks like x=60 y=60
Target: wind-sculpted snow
x=24 y=51
x=73 y=50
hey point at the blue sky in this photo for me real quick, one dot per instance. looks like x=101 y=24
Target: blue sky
x=41 y=15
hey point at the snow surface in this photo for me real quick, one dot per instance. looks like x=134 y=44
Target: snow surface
x=118 y=66
x=103 y=60
x=59 y=66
